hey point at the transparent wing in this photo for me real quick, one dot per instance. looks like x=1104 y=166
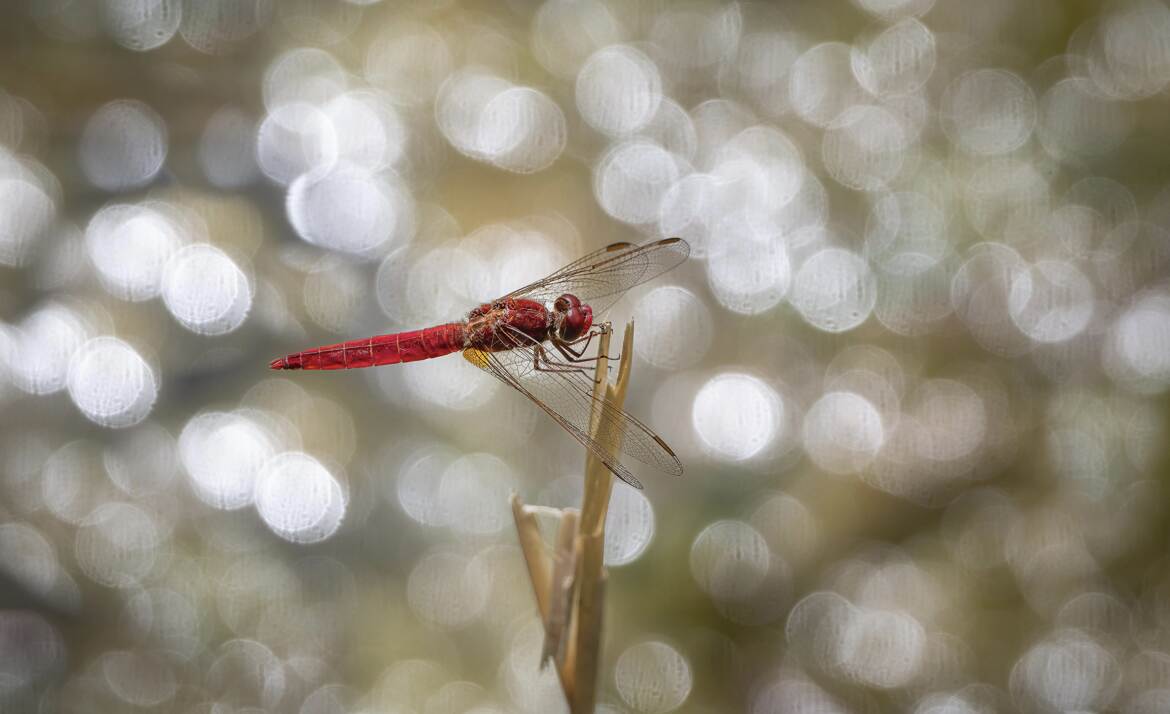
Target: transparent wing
x=568 y=398
x=601 y=277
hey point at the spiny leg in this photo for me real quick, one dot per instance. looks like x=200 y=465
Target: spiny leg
x=572 y=355
x=542 y=363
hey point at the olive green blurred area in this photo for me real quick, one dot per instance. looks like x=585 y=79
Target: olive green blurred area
x=915 y=368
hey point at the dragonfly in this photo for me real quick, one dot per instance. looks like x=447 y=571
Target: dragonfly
x=535 y=340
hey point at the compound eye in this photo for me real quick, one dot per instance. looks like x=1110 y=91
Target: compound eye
x=573 y=325
x=566 y=302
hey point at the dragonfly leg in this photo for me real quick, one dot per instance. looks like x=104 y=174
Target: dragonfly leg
x=577 y=355
x=542 y=363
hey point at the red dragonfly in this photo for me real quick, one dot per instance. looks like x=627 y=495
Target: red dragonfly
x=534 y=340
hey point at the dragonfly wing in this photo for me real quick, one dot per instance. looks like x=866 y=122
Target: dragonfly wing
x=567 y=396
x=601 y=277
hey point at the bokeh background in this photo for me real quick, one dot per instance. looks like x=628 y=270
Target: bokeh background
x=916 y=367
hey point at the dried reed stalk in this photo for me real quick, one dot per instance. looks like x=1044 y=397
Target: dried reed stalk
x=570 y=582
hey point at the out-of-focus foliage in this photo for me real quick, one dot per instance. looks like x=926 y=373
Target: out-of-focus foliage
x=916 y=368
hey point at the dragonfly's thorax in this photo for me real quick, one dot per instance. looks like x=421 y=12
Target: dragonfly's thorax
x=497 y=326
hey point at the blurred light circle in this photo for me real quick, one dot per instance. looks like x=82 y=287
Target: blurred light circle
x=1078 y=123
x=72 y=482
x=63 y=260
x=897 y=61
x=473 y=494
x=227 y=148
x=842 y=432
x=566 y=32
x=905 y=221
x=797 y=694
x=629 y=526
x=834 y=290
x=111 y=384
x=766 y=169
x=218 y=26
x=1052 y=302
x=787 y=525
x=765 y=57
x=522 y=130
x=298 y=498
x=980 y=292
x=696 y=36
x=43 y=349
x=448 y=589
x=652 y=677
x=205 y=290
x=222 y=453
x=736 y=416
x=351 y=209
x=432 y=283
x=749 y=276
x=951 y=419
x=370 y=132
x=821 y=84
x=139 y=679
x=449 y=383
x=864 y=147
x=691 y=209
x=531 y=689
x=142 y=25
x=895 y=9
x=408 y=60
x=28 y=558
x=27 y=213
x=419 y=482
x=988 y=112
x=295 y=139
x=674 y=328
x=1132 y=40
x=316 y=23
x=246 y=672
x=1067 y=672
x=729 y=560
x=881 y=648
x=1099 y=219
x=123 y=145
x=913 y=294
x=117 y=545
x=1140 y=345
x=31 y=651
x=1004 y=195
x=303 y=74
x=673 y=129
x=460 y=106
x=618 y=90
x=143 y=462
x=129 y=246
x=334 y=292
x=631 y=180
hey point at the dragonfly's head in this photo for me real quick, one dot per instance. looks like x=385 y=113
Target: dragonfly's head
x=571 y=319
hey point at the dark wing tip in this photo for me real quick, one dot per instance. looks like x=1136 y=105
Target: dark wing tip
x=631 y=481
x=683 y=246
x=621 y=245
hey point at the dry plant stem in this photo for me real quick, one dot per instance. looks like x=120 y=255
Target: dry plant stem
x=570 y=584
x=532 y=546
x=591 y=576
x=561 y=590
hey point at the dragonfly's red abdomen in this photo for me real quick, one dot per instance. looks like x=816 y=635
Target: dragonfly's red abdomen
x=383 y=349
